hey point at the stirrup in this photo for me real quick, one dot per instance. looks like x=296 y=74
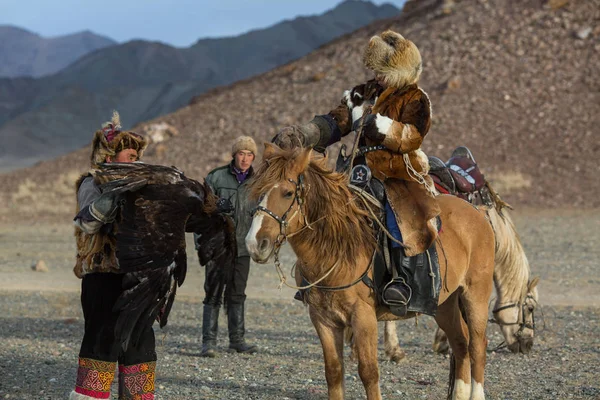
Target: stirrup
x=394 y=302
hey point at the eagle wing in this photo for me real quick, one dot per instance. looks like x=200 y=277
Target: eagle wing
x=158 y=205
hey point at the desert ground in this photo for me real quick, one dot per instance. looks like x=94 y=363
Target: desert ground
x=42 y=324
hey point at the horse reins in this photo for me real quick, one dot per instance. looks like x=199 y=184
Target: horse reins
x=284 y=222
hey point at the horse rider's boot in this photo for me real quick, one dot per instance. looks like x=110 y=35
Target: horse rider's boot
x=210 y=328
x=235 y=317
x=397 y=293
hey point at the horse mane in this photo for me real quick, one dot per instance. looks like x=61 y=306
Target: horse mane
x=512 y=266
x=341 y=227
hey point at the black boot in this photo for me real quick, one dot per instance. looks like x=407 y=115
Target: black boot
x=397 y=293
x=417 y=283
x=235 y=317
x=210 y=327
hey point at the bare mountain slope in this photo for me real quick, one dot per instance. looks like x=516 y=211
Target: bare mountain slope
x=517 y=82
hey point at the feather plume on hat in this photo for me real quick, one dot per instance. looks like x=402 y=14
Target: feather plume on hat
x=110 y=140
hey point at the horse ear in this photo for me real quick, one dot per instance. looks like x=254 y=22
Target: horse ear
x=302 y=160
x=533 y=283
x=269 y=150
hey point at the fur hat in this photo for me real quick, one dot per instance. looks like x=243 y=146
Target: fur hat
x=396 y=59
x=110 y=140
x=243 y=143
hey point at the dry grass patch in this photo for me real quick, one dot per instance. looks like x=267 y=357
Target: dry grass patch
x=508 y=182
x=55 y=196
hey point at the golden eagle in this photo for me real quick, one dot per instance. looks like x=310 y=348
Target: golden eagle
x=158 y=205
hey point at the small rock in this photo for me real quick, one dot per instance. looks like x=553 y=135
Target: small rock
x=583 y=33
x=453 y=83
x=40 y=266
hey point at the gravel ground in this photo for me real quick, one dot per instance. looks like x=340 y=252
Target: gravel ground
x=41 y=325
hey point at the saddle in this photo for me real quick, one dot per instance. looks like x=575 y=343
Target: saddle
x=460 y=176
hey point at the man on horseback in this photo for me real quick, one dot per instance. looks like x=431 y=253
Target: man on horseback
x=392 y=115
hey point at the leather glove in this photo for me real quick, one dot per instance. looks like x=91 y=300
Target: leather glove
x=105 y=207
x=294 y=136
x=374 y=125
x=225 y=206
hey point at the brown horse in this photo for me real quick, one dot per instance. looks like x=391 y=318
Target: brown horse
x=517 y=294
x=333 y=237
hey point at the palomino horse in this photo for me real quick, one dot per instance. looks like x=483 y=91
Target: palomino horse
x=333 y=237
x=517 y=294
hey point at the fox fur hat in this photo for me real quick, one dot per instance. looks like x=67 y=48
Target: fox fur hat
x=394 y=58
x=110 y=140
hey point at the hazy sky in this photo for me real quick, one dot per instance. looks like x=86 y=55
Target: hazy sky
x=177 y=22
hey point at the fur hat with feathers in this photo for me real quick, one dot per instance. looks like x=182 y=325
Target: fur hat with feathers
x=394 y=58
x=110 y=140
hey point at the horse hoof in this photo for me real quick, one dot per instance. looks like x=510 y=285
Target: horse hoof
x=397 y=356
x=441 y=348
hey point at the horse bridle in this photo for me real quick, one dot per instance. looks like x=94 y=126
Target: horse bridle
x=283 y=220
x=520 y=318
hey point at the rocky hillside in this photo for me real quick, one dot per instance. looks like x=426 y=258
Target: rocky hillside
x=517 y=82
x=24 y=53
x=45 y=118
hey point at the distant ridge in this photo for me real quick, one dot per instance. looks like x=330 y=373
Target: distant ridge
x=27 y=54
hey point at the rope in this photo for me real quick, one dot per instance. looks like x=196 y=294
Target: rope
x=416 y=175
x=375 y=216
x=283 y=279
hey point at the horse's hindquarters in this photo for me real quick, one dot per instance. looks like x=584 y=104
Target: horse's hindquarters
x=465 y=248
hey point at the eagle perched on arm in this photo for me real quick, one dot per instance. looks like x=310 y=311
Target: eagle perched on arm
x=158 y=205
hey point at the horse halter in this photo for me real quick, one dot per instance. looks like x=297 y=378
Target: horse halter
x=520 y=318
x=283 y=221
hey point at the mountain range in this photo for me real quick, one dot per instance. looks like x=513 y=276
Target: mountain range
x=27 y=54
x=516 y=82
x=46 y=117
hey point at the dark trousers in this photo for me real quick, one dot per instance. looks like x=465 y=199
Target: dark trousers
x=233 y=291
x=100 y=351
x=99 y=292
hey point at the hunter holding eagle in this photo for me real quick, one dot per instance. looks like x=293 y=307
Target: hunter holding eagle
x=392 y=115
x=130 y=234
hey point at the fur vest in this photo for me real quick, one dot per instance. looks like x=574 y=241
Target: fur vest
x=95 y=252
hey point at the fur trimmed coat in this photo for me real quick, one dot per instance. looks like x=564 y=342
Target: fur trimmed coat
x=399 y=120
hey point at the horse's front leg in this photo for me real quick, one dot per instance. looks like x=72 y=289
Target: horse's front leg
x=364 y=325
x=332 y=341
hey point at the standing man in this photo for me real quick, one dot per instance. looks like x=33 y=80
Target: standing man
x=102 y=283
x=229 y=183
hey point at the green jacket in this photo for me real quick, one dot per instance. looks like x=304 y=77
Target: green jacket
x=224 y=184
